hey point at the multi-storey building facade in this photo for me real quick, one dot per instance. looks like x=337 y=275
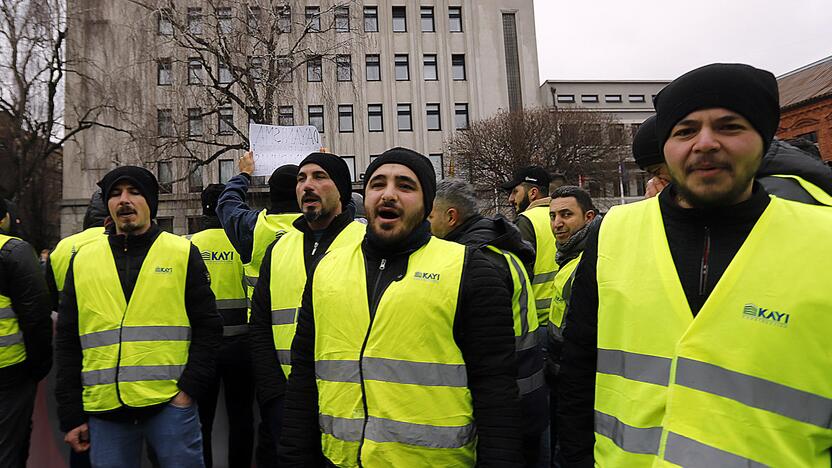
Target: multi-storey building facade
x=398 y=73
x=806 y=105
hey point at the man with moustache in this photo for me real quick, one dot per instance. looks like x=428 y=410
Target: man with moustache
x=137 y=335
x=717 y=354
x=323 y=190
x=404 y=351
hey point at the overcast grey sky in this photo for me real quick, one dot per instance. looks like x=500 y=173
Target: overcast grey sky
x=661 y=39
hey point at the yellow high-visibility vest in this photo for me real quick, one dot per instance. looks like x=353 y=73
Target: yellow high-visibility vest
x=744 y=383
x=132 y=353
x=816 y=192
x=562 y=280
x=266 y=230
x=545 y=267
x=66 y=248
x=403 y=366
x=226 y=271
x=288 y=278
x=12 y=349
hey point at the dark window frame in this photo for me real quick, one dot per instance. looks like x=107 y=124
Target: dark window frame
x=402 y=110
x=405 y=65
x=376 y=65
x=346 y=110
x=433 y=109
x=375 y=111
x=318 y=113
x=399 y=19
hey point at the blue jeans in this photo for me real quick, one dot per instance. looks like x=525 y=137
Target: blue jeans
x=173 y=433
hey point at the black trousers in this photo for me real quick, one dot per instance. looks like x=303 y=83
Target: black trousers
x=16 y=406
x=235 y=374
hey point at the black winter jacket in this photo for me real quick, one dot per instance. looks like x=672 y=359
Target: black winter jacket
x=129 y=253
x=724 y=229
x=271 y=383
x=783 y=158
x=21 y=280
x=482 y=330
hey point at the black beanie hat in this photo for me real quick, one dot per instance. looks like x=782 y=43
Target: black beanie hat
x=746 y=90
x=96 y=212
x=140 y=177
x=282 y=185
x=646 y=148
x=417 y=163
x=3 y=208
x=210 y=197
x=337 y=170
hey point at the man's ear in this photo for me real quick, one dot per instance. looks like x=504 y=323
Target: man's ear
x=452 y=215
x=590 y=215
x=533 y=193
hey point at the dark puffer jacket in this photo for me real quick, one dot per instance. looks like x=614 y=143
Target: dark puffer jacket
x=785 y=159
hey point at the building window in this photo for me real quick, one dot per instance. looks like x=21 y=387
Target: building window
x=426 y=14
x=566 y=98
x=314 y=69
x=399 y=19
x=636 y=98
x=345 y=118
x=226 y=170
x=612 y=98
x=811 y=136
x=403 y=118
x=458 y=66
x=402 y=67
x=350 y=160
x=195 y=71
x=433 y=118
x=253 y=19
x=370 y=19
x=313 y=18
x=194 y=224
x=195 y=21
x=165 y=223
x=343 y=67
x=284 y=69
x=225 y=123
x=512 y=55
x=342 y=19
x=455 y=19
x=375 y=118
x=256 y=68
x=164 y=122
x=438 y=167
x=224 y=20
x=164 y=72
x=373 y=68
x=461 y=116
x=195 y=179
x=286 y=116
x=223 y=72
x=316 y=117
x=164 y=26
x=194 y=122
x=429 y=70
x=165 y=175
x=284 y=20
x=589 y=98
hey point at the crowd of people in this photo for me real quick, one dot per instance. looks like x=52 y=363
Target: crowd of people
x=687 y=329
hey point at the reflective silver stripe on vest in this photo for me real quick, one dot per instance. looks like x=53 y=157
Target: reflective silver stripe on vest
x=251 y=281
x=337 y=371
x=422 y=435
x=524 y=296
x=132 y=334
x=531 y=383
x=755 y=392
x=11 y=340
x=284 y=316
x=234 y=330
x=348 y=430
x=225 y=304
x=628 y=438
x=633 y=366
x=284 y=356
x=131 y=374
x=527 y=341
x=7 y=313
x=416 y=373
x=692 y=454
x=541 y=278
x=543 y=303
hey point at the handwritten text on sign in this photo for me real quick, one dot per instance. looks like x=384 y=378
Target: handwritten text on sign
x=275 y=145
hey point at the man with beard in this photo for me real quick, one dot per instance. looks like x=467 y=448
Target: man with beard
x=323 y=190
x=455 y=218
x=137 y=335
x=404 y=343
x=529 y=197
x=716 y=354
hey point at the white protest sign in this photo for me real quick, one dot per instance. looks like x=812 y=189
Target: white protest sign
x=276 y=145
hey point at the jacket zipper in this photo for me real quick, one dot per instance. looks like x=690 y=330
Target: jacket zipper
x=703 y=272
x=314 y=248
x=374 y=306
x=121 y=326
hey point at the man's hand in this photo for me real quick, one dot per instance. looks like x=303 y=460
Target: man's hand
x=79 y=438
x=182 y=400
x=654 y=187
x=246 y=163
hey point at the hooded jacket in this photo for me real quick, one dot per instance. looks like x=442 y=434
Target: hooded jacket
x=783 y=158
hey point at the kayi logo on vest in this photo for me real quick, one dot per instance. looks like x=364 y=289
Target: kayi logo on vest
x=767 y=316
x=210 y=256
x=164 y=270
x=425 y=276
